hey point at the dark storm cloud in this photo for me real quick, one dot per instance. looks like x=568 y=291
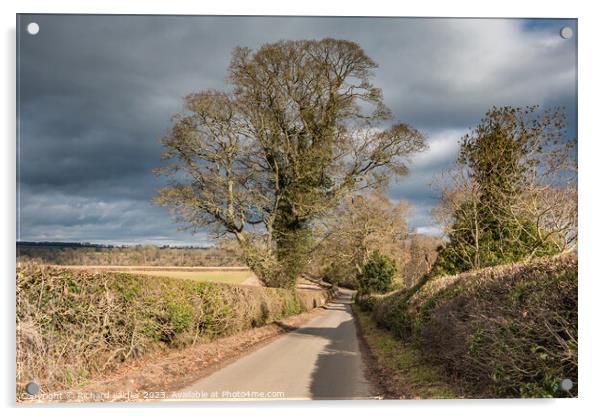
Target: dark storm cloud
x=97 y=92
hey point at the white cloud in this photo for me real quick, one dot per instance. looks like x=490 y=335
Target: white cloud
x=430 y=230
x=443 y=149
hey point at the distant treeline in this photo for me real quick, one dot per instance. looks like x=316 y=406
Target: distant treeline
x=142 y=255
x=93 y=245
x=60 y=244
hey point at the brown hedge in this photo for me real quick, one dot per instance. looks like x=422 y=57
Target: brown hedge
x=507 y=331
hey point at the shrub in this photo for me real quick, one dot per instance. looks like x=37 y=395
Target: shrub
x=377 y=274
x=180 y=316
x=365 y=301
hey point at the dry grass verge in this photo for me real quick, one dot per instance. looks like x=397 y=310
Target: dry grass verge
x=75 y=325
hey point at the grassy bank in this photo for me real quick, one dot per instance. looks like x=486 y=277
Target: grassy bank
x=508 y=331
x=400 y=370
x=75 y=324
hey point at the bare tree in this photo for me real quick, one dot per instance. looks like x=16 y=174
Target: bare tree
x=300 y=128
x=420 y=253
x=360 y=224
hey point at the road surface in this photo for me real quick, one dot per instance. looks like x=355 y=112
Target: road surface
x=320 y=360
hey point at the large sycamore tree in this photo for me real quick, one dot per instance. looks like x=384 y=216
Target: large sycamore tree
x=301 y=126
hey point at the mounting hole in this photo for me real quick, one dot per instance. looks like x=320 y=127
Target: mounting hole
x=566 y=384
x=33 y=28
x=32 y=388
x=566 y=32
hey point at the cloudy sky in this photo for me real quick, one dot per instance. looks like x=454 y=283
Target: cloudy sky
x=95 y=94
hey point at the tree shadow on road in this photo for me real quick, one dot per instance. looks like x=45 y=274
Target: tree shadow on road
x=338 y=371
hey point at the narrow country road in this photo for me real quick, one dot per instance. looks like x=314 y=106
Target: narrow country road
x=320 y=360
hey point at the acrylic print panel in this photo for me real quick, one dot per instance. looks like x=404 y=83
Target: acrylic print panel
x=286 y=208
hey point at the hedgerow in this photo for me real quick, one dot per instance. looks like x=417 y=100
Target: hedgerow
x=73 y=325
x=506 y=331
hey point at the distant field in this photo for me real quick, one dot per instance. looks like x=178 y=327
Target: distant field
x=232 y=277
x=153 y=268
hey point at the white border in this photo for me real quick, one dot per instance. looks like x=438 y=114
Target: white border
x=590 y=206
